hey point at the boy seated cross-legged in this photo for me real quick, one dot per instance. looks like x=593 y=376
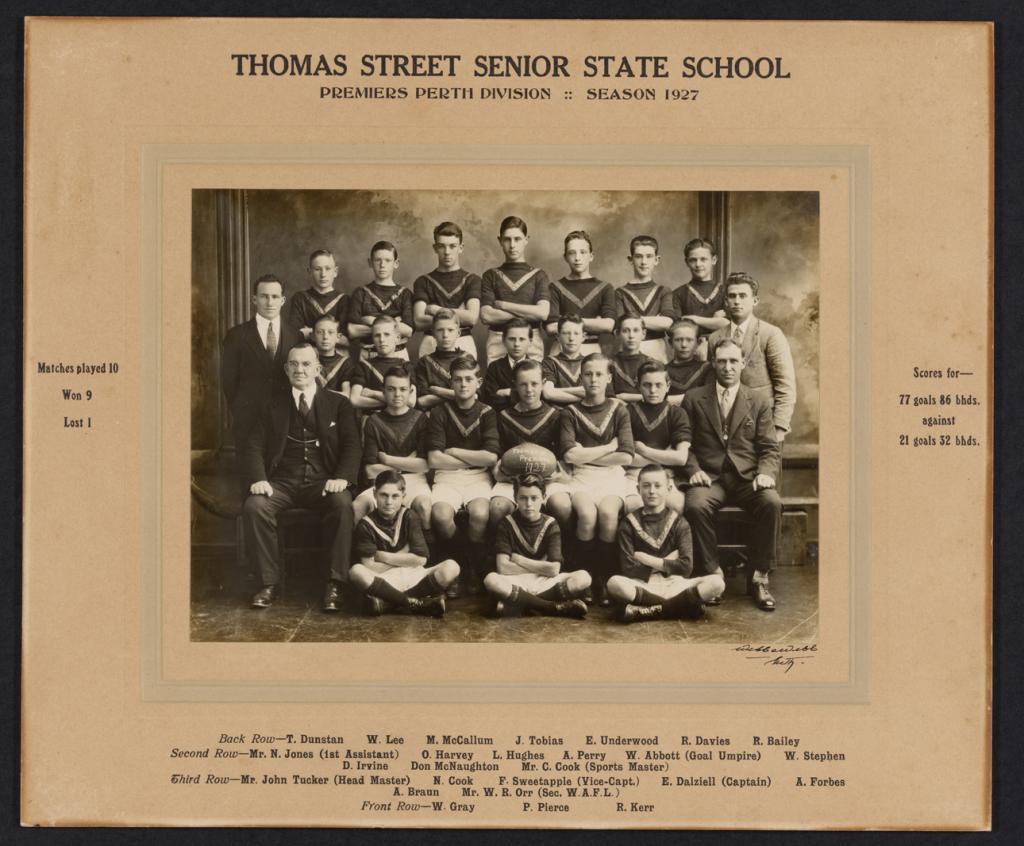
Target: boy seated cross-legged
x=529 y=557
x=656 y=559
x=392 y=571
x=462 y=446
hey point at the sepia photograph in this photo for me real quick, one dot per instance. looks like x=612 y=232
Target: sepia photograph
x=504 y=416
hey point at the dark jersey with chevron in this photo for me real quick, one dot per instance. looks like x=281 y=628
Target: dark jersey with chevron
x=644 y=299
x=541 y=426
x=684 y=375
x=371 y=371
x=624 y=367
x=563 y=372
x=514 y=282
x=702 y=299
x=376 y=299
x=541 y=540
x=376 y=534
x=446 y=288
x=307 y=307
x=434 y=370
x=472 y=428
x=596 y=425
x=589 y=298
x=661 y=426
x=399 y=435
x=660 y=535
x=336 y=370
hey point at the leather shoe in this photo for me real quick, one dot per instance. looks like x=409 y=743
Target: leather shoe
x=332 y=596
x=265 y=597
x=762 y=598
x=715 y=600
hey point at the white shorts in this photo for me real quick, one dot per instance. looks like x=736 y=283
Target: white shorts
x=666 y=586
x=600 y=482
x=415 y=485
x=460 y=487
x=534 y=582
x=656 y=349
x=403 y=578
x=496 y=346
x=466 y=343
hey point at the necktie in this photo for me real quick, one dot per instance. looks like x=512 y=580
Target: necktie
x=303 y=406
x=723 y=407
x=737 y=334
x=271 y=340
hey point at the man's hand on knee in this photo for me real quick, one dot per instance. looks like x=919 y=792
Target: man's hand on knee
x=762 y=482
x=333 y=486
x=261 y=489
x=700 y=479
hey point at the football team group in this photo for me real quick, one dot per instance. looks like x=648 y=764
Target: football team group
x=555 y=476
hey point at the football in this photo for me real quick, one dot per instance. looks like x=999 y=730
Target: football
x=529 y=458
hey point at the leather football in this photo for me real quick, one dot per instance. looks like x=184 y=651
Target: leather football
x=529 y=459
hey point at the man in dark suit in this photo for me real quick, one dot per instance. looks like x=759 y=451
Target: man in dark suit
x=734 y=457
x=252 y=360
x=304 y=451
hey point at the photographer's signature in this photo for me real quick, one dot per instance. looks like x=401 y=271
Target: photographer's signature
x=786 y=656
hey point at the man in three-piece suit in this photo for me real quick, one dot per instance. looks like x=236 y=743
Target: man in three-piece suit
x=734 y=457
x=768 y=362
x=252 y=360
x=304 y=451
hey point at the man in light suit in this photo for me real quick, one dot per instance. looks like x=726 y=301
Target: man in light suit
x=733 y=458
x=252 y=360
x=768 y=363
x=304 y=452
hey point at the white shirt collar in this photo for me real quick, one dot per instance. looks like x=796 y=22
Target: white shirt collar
x=261 y=325
x=512 y=362
x=310 y=392
x=741 y=326
x=728 y=393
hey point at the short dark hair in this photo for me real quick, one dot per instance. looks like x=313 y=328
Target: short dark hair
x=524 y=365
x=578 y=235
x=740 y=278
x=622 y=318
x=697 y=244
x=384 y=245
x=643 y=241
x=514 y=323
x=448 y=228
x=512 y=222
x=529 y=480
x=464 y=362
x=652 y=366
x=653 y=468
x=398 y=371
x=317 y=253
x=569 y=318
x=266 y=277
x=594 y=356
x=389 y=477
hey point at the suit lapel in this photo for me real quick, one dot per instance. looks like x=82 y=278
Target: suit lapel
x=253 y=339
x=280 y=410
x=711 y=409
x=750 y=338
x=740 y=406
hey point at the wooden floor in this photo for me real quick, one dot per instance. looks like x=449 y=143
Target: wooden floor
x=221 y=612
